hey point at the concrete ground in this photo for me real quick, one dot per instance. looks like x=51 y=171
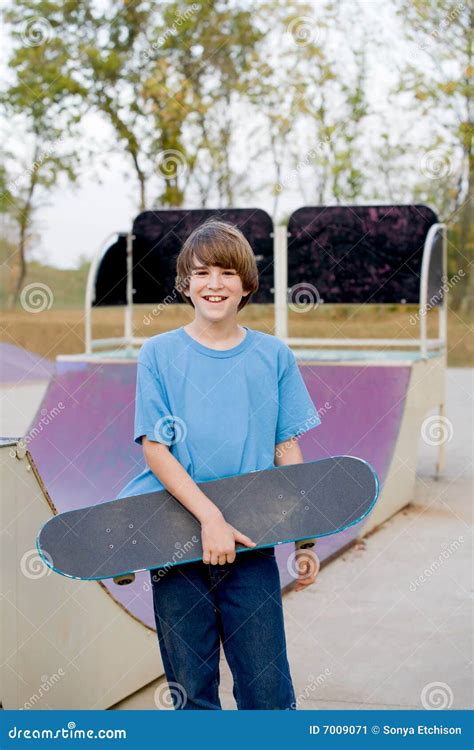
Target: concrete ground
x=388 y=624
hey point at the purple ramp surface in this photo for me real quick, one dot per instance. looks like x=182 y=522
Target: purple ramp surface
x=84 y=448
x=85 y=453
x=361 y=409
x=18 y=365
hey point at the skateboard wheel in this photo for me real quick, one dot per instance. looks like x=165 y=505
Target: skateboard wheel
x=124 y=580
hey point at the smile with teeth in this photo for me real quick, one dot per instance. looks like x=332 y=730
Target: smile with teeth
x=214 y=298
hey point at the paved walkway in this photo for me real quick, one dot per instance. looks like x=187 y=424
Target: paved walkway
x=388 y=624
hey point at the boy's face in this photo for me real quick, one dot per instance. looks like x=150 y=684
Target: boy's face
x=215 y=292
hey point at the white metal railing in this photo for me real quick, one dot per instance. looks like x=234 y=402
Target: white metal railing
x=425 y=269
x=430 y=343
x=423 y=342
x=90 y=343
x=281 y=302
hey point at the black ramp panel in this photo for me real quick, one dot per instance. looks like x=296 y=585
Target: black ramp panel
x=158 y=238
x=154 y=530
x=359 y=254
x=110 y=286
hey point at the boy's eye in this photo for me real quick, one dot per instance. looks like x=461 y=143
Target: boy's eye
x=201 y=272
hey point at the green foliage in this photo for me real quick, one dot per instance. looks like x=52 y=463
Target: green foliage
x=441 y=78
x=178 y=82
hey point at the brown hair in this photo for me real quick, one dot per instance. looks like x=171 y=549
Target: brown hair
x=217 y=243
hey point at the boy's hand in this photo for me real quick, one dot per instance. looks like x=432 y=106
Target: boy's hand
x=307 y=567
x=218 y=541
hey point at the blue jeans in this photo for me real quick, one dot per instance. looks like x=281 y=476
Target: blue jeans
x=197 y=606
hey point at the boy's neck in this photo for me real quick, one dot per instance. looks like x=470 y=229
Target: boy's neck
x=221 y=334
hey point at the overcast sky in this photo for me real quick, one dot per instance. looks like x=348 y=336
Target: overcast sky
x=76 y=220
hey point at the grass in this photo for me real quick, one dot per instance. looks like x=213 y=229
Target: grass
x=60 y=330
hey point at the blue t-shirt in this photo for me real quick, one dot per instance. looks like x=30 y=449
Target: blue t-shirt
x=221 y=412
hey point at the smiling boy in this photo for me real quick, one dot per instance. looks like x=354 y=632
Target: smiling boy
x=215 y=399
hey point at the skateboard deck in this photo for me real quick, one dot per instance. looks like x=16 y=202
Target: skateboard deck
x=283 y=504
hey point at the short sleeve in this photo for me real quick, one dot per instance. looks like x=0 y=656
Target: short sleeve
x=153 y=418
x=296 y=411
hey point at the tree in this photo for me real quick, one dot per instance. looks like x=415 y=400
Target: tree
x=211 y=54
x=33 y=104
x=441 y=78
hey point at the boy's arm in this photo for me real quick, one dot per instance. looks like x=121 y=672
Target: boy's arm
x=177 y=481
x=218 y=537
x=287 y=453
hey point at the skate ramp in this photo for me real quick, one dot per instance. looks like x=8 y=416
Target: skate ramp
x=82 y=445
x=23 y=380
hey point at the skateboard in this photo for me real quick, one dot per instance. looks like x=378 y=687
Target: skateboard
x=284 y=504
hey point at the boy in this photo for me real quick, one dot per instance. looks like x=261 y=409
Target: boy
x=215 y=399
